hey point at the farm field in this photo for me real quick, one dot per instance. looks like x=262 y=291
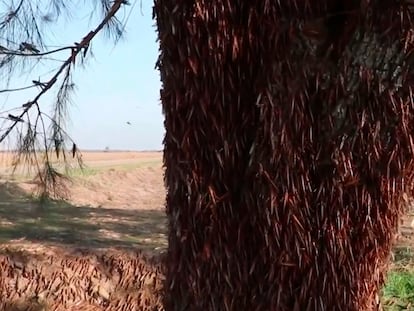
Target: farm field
x=116 y=201
x=114 y=208
x=113 y=216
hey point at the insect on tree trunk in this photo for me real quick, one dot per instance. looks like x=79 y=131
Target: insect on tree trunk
x=288 y=148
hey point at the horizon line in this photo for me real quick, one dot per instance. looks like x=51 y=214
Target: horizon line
x=93 y=150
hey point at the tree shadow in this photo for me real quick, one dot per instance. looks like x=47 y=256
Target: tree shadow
x=57 y=222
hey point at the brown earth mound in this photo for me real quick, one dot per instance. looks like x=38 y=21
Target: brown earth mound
x=113 y=281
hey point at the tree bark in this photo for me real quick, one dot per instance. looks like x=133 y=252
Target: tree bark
x=288 y=148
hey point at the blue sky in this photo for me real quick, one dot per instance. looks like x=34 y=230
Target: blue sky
x=117 y=86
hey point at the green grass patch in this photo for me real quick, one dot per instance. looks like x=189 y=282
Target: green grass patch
x=90 y=171
x=398 y=292
x=79 y=172
x=23 y=173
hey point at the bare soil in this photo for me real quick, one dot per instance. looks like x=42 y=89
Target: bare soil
x=117 y=201
x=116 y=204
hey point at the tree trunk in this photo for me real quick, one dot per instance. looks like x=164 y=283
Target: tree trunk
x=288 y=148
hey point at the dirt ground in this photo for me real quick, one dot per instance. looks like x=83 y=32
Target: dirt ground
x=100 y=249
x=115 y=205
x=117 y=201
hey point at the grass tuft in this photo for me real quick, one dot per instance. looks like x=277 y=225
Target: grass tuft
x=398 y=292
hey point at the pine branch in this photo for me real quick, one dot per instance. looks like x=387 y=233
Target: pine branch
x=33 y=134
x=32 y=52
x=75 y=51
